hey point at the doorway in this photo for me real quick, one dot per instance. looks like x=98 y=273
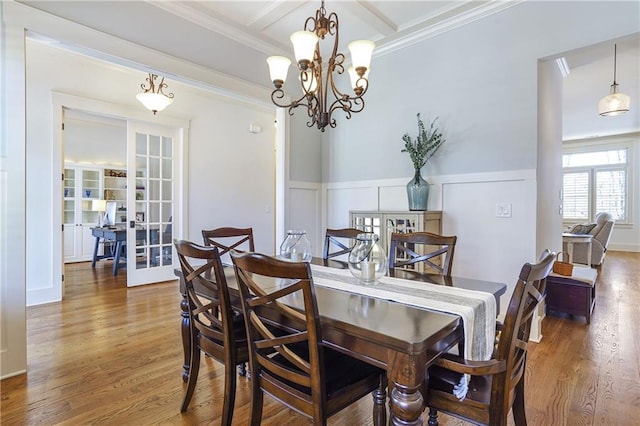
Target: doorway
x=95 y=161
x=119 y=118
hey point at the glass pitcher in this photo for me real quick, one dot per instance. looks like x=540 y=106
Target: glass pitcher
x=296 y=246
x=367 y=260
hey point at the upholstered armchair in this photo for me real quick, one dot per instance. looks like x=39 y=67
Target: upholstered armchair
x=601 y=235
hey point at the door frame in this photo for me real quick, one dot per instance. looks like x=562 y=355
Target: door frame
x=63 y=101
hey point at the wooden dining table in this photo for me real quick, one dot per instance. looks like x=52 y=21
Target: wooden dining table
x=402 y=339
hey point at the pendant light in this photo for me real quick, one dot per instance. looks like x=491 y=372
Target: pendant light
x=615 y=103
x=153 y=97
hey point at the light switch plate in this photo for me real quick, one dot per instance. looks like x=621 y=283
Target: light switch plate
x=503 y=210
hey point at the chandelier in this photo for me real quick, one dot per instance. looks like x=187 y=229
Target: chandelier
x=153 y=97
x=318 y=82
x=614 y=103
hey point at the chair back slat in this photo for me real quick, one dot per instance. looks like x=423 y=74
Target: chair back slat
x=403 y=251
x=335 y=242
x=228 y=238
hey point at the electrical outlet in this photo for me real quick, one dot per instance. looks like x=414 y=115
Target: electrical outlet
x=503 y=210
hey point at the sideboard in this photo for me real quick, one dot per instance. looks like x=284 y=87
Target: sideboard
x=384 y=223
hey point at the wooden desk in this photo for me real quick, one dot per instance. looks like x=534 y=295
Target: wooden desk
x=402 y=339
x=119 y=236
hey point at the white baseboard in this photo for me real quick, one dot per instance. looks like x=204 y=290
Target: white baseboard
x=635 y=248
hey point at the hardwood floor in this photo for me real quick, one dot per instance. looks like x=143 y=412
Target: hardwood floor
x=112 y=355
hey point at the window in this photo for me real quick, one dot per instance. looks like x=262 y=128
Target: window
x=594 y=181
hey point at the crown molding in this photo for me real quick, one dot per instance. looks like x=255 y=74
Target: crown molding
x=426 y=29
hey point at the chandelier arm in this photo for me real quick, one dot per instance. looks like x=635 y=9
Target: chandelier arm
x=161 y=88
x=333 y=30
x=349 y=106
x=320 y=93
x=150 y=79
x=313 y=21
x=279 y=94
x=345 y=99
x=312 y=107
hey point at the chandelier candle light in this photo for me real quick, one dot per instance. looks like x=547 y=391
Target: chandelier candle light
x=153 y=97
x=614 y=103
x=316 y=81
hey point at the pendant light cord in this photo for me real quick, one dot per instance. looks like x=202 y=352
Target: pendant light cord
x=615 y=54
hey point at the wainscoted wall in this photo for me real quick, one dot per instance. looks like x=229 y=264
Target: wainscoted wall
x=304 y=211
x=489 y=247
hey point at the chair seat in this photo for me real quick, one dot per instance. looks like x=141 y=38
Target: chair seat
x=340 y=370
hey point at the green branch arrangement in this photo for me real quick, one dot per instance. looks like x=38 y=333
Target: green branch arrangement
x=425 y=145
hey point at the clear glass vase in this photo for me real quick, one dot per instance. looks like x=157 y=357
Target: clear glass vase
x=418 y=192
x=296 y=246
x=367 y=259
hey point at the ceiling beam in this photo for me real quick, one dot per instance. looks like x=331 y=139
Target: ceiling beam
x=366 y=11
x=274 y=12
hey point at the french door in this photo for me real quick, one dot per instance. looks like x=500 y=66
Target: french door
x=151 y=207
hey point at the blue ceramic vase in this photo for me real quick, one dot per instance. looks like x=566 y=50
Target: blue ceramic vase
x=418 y=192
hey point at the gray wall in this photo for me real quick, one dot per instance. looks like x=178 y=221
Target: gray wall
x=480 y=79
x=305 y=146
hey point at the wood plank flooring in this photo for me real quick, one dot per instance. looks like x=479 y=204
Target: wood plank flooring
x=112 y=355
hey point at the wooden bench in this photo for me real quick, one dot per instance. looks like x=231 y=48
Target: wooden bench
x=575 y=295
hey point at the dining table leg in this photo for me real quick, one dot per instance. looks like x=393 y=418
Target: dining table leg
x=406 y=401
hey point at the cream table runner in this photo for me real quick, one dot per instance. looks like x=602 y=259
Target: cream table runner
x=476 y=308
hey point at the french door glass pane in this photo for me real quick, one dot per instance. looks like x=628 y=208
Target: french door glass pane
x=154 y=162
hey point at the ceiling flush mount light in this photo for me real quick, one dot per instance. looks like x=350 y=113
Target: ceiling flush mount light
x=317 y=82
x=153 y=97
x=615 y=103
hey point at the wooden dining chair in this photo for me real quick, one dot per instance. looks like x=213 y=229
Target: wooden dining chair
x=291 y=362
x=438 y=250
x=228 y=238
x=334 y=239
x=496 y=386
x=216 y=329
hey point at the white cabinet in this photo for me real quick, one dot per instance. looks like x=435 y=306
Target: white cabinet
x=82 y=185
x=384 y=223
